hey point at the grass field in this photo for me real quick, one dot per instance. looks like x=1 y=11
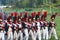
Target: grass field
x=50 y=10
x=58 y=26
x=48 y=17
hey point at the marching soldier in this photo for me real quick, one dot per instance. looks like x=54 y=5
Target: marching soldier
x=10 y=28
x=30 y=28
x=38 y=27
x=25 y=27
x=34 y=28
x=53 y=28
x=46 y=29
x=2 y=29
x=20 y=29
x=15 y=28
x=42 y=27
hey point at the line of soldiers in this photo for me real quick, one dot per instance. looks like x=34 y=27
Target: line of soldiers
x=22 y=27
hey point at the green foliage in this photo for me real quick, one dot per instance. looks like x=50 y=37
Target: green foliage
x=29 y=3
x=58 y=1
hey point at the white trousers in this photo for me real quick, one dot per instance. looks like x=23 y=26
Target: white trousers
x=26 y=34
x=20 y=34
x=2 y=35
x=38 y=34
x=10 y=36
x=53 y=30
x=15 y=35
x=32 y=35
x=45 y=33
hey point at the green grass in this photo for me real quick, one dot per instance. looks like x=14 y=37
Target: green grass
x=58 y=26
x=50 y=10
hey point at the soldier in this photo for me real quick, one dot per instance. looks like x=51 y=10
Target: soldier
x=46 y=29
x=42 y=27
x=15 y=28
x=33 y=15
x=25 y=27
x=34 y=28
x=38 y=27
x=53 y=28
x=6 y=29
x=2 y=29
x=30 y=28
x=10 y=28
x=20 y=30
x=45 y=25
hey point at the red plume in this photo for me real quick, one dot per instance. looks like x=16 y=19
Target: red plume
x=45 y=14
x=11 y=14
x=26 y=13
x=38 y=13
x=15 y=13
x=20 y=14
x=33 y=14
